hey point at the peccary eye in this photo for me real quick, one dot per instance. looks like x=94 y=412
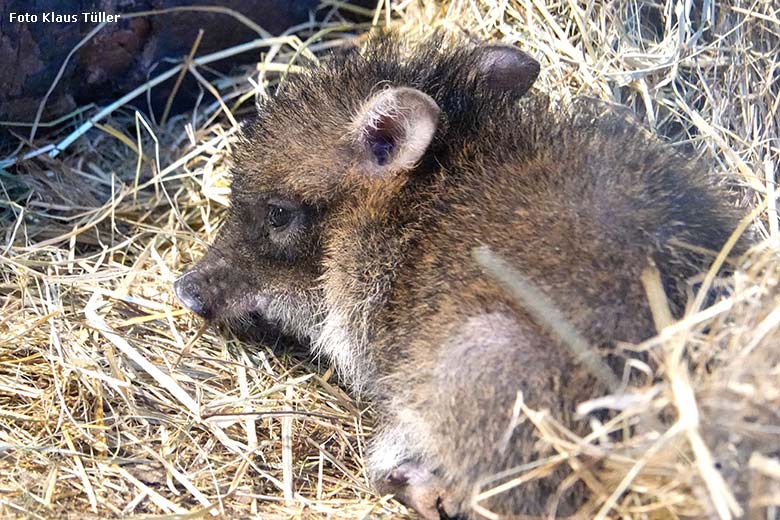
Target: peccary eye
x=278 y=217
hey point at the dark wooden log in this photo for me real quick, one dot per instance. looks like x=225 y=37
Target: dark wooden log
x=123 y=54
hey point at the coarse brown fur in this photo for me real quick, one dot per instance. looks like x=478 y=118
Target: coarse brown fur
x=375 y=268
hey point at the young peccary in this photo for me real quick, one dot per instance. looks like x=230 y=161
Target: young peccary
x=358 y=197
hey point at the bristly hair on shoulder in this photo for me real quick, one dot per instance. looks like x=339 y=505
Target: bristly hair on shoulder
x=444 y=66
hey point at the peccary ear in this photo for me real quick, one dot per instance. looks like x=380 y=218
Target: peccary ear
x=505 y=68
x=394 y=129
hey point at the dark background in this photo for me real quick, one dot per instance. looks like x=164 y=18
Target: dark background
x=122 y=55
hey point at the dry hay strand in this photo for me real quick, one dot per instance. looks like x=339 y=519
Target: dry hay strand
x=116 y=402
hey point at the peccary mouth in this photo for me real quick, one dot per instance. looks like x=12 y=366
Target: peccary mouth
x=245 y=317
x=253 y=327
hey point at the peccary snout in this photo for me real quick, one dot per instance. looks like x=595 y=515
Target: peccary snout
x=203 y=287
x=188 y=289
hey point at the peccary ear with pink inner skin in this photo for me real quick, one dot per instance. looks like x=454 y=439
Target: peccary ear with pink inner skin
x=393 y=130
x=505 y=68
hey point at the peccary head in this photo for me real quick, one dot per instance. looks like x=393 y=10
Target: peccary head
x=349 y=130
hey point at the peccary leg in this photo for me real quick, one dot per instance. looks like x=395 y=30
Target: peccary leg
x=417 y=487
x=464 y=414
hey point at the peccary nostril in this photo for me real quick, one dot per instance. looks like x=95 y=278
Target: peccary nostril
x=188 y=292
